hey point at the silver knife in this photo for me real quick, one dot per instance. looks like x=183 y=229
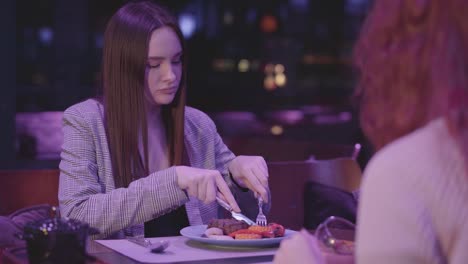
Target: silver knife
x=237 y=216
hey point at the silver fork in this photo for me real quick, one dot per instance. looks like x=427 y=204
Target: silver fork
x=261 y=218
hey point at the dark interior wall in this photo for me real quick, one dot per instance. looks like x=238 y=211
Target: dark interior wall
x=58 y=58
x=7 y=80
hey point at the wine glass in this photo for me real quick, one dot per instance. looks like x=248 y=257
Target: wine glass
x=337 y=233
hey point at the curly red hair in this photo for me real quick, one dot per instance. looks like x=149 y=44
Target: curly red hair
x=412 y=57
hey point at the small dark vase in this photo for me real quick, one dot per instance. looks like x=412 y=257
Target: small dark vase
x=56 y=240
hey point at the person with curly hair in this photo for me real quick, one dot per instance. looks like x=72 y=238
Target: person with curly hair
x=412 y=57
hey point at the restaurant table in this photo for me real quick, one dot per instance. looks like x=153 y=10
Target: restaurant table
x=105 y=254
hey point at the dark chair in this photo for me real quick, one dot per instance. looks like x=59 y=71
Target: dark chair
x=307 y=192
x=330 y=190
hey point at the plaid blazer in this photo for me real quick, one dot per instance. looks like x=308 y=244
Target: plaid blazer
x=86 y=187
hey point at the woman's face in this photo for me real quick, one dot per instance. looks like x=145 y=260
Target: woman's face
x=164 y=66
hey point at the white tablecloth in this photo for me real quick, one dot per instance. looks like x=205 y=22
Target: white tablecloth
x=182 y=249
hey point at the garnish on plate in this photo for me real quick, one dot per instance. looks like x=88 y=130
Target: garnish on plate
x=234 y=229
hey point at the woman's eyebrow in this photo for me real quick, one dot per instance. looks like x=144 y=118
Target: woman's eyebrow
x=162 y=58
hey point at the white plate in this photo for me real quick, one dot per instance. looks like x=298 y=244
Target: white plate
x=197 y=233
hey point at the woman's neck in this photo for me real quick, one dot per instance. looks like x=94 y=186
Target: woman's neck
x=157 y=145
x=153 y=115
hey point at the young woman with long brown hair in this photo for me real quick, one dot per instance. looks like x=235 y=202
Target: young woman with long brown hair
x=137 y=160
x=412 y=58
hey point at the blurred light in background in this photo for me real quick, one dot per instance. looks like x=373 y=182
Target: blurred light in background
x=269 y=83
x=356 y=6
x=243 y=65
x=286 y=117
x=333 y=118
x=276 y=130
x=187 y=24
x=99 y=41
x=345 y=116
x=228 y=18
x=269 y=24
x=218 y=64
x=251 y=16
x=46 y=35
x=269 y=68
x=280 y=80
x=223 y=65
x=279 y=68
x=274 y=76
x=299 y=4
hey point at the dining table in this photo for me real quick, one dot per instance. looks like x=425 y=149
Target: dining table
x=181 y=250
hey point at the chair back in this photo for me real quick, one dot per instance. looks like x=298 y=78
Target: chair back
x=289 y=179
x=283 y=149
x=341 y=173
x=23 y=188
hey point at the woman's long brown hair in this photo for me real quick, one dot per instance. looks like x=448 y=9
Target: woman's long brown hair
x=123 y=73
x=412 y=57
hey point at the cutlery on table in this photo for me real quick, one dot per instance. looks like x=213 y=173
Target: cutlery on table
x=155 y=247
x=261 y=218
x=237 y=216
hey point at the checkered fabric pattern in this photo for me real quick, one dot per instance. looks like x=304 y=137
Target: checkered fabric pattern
x=87 y=191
